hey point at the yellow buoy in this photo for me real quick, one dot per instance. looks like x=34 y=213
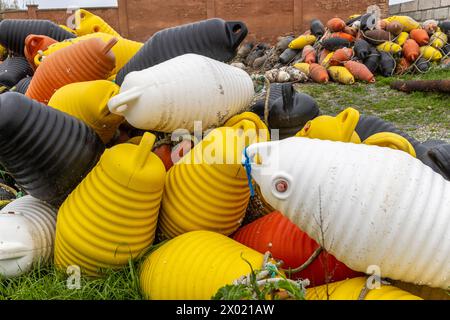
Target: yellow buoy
x=327 y=59
x=351 y=290
x=438 y=40
x=391 y=140
x=86 y=22
x=302 y=41
x=195 y=265
x=341 y=74
x=430 y=53
x=111 y=216
x=401 y=38
x=339 y=128
x=390 y=47
x=88 y=101
x=208 y=188
x=408 y=23
x=303 y=67
x=123 y=50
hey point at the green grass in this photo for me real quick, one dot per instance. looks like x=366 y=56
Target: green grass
x=422 y=115
x=46 y=283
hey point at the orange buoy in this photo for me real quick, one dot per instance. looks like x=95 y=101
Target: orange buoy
x=341 y=56
x=83 y=61
x=318 y=73
x=343 y=35
x=34 y=43
x=336 y=24
x=411 y=50
x=402 y=66
x=420 y=36
x=309 y=54
x=359 y=71
x=277 y=234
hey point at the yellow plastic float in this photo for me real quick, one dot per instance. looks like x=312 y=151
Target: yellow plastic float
x=327 y=59
x=87 y=101
x=195 y=265
x=389 y=47
x=86 y=22
x=342 y=128
x=111 y=216
x=438 y=40
x=408 y=23
x=391 y=140
x=351 y=290
x=339 y=128
x=208 y=188
x=341 y=74
x=430 y=53
x=401 y=38
x=303 y=67
x=302 y=41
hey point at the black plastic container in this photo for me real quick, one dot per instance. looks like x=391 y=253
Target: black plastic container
x=289 y=110
x=215 y=38
x=446 y=49
x=422 y=65
x=373 y=60
x=14 y=31
x=13 y=69
x=22 y=85
x=361 y=49
x=370 y=125
x=46 y=151
x=317 y=28
x=433 y=153
x=387 y=64
x=256 y=53
x=445 y=26
x=288 y=55
x=436 y=155
x=333 y=44
x=275 y=93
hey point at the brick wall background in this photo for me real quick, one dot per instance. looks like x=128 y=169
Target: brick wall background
x=422 y=10
x=266 y=19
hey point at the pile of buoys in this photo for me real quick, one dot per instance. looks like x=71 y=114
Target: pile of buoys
x=119 y=146
x=346 y=51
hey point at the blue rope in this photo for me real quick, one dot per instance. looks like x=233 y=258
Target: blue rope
x=248 y=169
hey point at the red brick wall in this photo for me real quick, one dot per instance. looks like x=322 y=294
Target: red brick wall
x=266 y=19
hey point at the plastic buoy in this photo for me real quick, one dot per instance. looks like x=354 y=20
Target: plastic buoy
x=27 y=232
x=111 y=216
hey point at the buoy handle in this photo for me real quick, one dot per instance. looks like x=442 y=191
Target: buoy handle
x=144 y=149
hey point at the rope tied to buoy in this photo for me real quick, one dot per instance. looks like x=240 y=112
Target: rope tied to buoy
x=248 y=170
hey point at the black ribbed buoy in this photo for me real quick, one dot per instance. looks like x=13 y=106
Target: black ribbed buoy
x=14 y=69
x=14 y=31
x=46 y=151
x=214 y=38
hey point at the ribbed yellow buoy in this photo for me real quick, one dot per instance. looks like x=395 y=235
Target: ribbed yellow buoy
x=86 y=23
x=195 y=265
x=88 y=101
x=111 y=216
x=351 y=290
x=208 y=188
